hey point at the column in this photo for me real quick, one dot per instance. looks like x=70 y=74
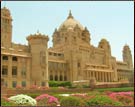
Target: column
x=93 y=74
x=46 y=69
x=100 y=75
x=105 y=74
x=97 y=76
x=19 y=76
x=112 y=76
x=28 y=72
x=103 y=77
x=86 y=74
x=63 y=74
x=1 y=64
x=58 y=75
x=10 y=71
x=89 y=74
x=53 y=74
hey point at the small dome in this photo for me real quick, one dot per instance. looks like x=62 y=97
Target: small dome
x=5 y=11
x=103 y=40
x=70 y=22
x=126 y=46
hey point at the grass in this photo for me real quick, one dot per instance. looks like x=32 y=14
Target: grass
x=116 y=89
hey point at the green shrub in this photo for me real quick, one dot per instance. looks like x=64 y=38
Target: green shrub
x=58 y=96
x=6 y=103
x=86 y=86
x=72 y=87
x=59 y=83
x=33 y=95
x=102 y=101
x=123 y=89
x=70 y=101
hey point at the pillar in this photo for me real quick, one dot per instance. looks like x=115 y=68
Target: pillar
x=63 y=73
x=105 y=74
x=97 y=76
x=10 y=72
x=1 y=64
x=28 y=72
x=19 y=71
x=53 y=74
x=89 y=74
x=103 y=77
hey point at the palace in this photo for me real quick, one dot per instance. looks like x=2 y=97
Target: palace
x=72 y=57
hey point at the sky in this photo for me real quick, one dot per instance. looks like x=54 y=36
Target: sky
x=112 y=20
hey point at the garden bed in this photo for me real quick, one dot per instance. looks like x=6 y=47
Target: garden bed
x=94 y=98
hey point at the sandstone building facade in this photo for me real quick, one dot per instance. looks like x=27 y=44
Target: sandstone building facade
x=71 y=58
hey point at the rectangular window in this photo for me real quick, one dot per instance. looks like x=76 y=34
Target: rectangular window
x=4 y=70
x=6 y=83
x=14 y=83
x=23 y=73
x=14 y=70
x=14 y=58
x=23 y=83
x=55 y=54
x=59 y=54
x=5 y=57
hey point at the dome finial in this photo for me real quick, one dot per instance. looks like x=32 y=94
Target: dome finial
x=38 y=32
x=70 y=14
x=4 y=4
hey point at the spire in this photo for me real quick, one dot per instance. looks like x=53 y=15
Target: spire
x=86 y=28
x=55 y=29
x=4 y=4
x=70 y=15
x=38 y=33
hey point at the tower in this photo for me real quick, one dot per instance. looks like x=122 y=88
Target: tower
x=39 y=53
x=6 y=28
x=127 y=57
x=104 y=44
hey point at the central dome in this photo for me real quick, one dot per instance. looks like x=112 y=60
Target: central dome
x=70 y=22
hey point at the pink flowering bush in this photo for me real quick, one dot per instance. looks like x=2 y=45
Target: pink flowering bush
x=46 y=100
x=34 y=87
x=125 y=97
x=44 y=88
x=19 y=87
x=62 y=88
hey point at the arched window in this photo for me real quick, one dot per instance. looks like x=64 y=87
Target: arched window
x=61 y=78
x=65 y=78
x=51 y=77
x=56 y=78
